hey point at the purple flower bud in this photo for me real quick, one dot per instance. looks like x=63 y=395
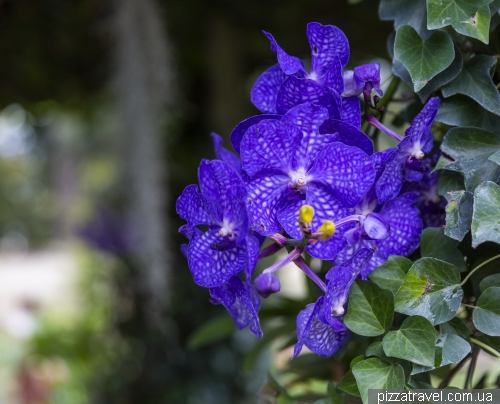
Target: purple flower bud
x=376 y=226
x=267 y=284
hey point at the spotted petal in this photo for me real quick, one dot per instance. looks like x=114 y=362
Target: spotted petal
x=308 y=118
x=265 y=89
x=242 y=127
x=346 y=170
x=289 y=64
x=350 y=111
x=348 y=134
x=327 y=42
x=208 y=187
x=268 y=148
x=266 y=197
x=317 y=336
x=420 y=128
x=334 y=81
x=295 y=91
x=210 y=267
x=195 y=208
x=225 y=155
x=253 y=247
x=234 y=296
x=390 y=182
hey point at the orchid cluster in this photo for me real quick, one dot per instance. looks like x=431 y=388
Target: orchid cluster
x=307 y=179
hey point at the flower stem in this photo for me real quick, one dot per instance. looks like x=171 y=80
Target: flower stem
x=289 y=258
x=470 y=306
x=270 y=250
x=299 y=261
x=485 y=347
x=476 y=268
x=373 y=121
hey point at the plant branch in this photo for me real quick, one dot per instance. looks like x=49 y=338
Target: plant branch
x=453 y=372
x=476 y=268
x=485 y=347
x=472 y=367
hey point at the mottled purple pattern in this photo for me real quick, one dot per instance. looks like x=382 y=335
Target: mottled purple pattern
x=333 y=80
x=348 y=134
x=347 y=170
x=404 y=235
x=315 y=335
x=295 y=91
x=327 y=42
x=235 y=297
x=308 y=118
x=211 y=267
x=326 y=207
x=265 y=89
x=267 y=196
x=225 y=155
x=350 y=111
x=367 y=73
x=268 y=148
x=289 y=64
x=195 y=209
x=253 y=247
x=242 y=127
x=209 y=188
x=339 y=280
x=420 y=128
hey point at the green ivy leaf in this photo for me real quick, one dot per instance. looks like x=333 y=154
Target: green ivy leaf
x=459 y=215
x=377 y=350
x=390 y=275
x=431 y=290
x=486 y=214
x=450 y=181
x=471 y=18
x=374 y=373
x=348 y=383
x=444 y=77
x=414 y=341
x=460 y=110
x=456 y=326
x=475 y=81
x=486 y=315
x=213 y=330
x=492 y=280
x=450 y=348
x=412 y=13
x=423 y=59
x=370 y=309
x=436 y=245
x=471 y=148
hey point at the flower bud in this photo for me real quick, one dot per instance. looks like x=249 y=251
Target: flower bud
x=267 y=284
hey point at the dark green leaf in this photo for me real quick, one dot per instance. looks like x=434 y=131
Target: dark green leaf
x=492 y=280
x=411 y=13
x=416 y=383
x=377 y=350
x=423 y=59
x=374 y=373
x=213 y=330
x=450 y=348
x=336 y=396
x=475 y=81
x=450 y=181
x=460 y=110
x=486 y=214
x=471 y=18
x=459 y=215
x=370 y=309
x=471 y=148
x=443 y=161
x=436 y=245
x=493 y=342
x=456 y=326
x=390 y=275
x=486 y=316
x=444 y=77
x=430 y=289
x=414 y=341
x=348 y=383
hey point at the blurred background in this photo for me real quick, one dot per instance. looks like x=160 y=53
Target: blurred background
x=106 y=107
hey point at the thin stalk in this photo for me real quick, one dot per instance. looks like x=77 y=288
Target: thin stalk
x=476 y=268
x=485 y=347
x=270 y=250
x=387 y=98
x=289 y=258
x=472 y=367
x=310 y=273
x=380 y=126
x=470 y=306
x=453 y=372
